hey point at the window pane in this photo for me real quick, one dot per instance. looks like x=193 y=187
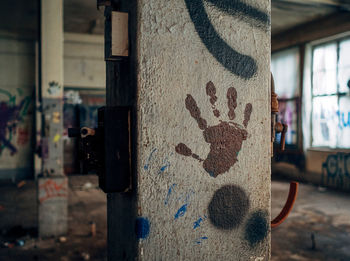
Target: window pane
x=344 y=123
x=324 y=69
x=288 y=115
x=344 y=66
x=324 y=121
x=286 y=81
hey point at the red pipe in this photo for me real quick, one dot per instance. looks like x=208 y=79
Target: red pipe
x=292 y=196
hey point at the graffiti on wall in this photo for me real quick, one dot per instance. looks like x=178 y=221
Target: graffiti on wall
x=343 y=122
x=228 y=209
x=229 y=206
x=52 y=188
x=241 y=65
x=225 y=139
x=336 y=169
x=54 y=88
x=12 y=111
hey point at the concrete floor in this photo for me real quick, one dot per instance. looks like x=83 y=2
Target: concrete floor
x=324 y=213
x=86 y=203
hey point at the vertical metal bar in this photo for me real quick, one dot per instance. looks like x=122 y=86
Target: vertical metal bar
x=301 y=87
x=121 y=91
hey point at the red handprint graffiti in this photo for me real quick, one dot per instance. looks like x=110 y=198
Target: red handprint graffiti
x=225 y=139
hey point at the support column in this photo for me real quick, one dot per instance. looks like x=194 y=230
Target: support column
x=201 y=185
x=52 y=183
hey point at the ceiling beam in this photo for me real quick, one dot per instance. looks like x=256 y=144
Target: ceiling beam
x=331 y=3
x=321 y=28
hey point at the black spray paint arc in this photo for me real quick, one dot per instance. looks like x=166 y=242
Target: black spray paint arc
x=237 y=63
x=246 y=12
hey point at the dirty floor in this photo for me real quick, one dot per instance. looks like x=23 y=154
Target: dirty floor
x=319 y=213
x=18 y=223
x=318 y=228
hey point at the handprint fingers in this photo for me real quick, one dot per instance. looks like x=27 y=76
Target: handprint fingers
x=186 y=151
x=192 y=107
x=211 y=92
x=247 y=112
x=231 y=102
x=225 y=138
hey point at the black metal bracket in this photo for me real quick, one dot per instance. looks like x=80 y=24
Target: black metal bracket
x=112 y=137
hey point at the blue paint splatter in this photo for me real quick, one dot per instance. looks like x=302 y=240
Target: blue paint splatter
x=165 y=166
x=197 y=223
x=146 y=167
x=170 y=190
x=199 y=241
x=181 y=212
x=142 y=227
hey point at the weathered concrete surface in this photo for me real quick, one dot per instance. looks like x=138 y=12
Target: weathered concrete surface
x=53 y=206
x=203 y=182
x=323 y=213
x=52 y=184
x=52 y=48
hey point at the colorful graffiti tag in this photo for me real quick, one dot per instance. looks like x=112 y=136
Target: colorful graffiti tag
x=11 y=113
x=53 y=189
x=344 y=122
x=336 y=169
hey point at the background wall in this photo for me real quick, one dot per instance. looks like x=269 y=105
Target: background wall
x=84 y=65
x=17 y=85
x=84 y=68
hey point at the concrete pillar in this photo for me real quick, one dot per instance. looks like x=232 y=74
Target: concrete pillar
x=201 y=185
x=52 y=183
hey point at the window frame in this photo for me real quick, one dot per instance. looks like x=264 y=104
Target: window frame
x=338 y=94
x=297 y=99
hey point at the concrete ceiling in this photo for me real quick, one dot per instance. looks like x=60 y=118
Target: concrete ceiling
x=82 y=16
x=19 y=17
x=286 y=14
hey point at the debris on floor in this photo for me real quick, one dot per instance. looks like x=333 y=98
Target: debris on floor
x=21 y=184
x=85 y=241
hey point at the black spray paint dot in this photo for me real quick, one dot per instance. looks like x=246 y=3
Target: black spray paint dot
x=256 y=228
x=228 y=207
